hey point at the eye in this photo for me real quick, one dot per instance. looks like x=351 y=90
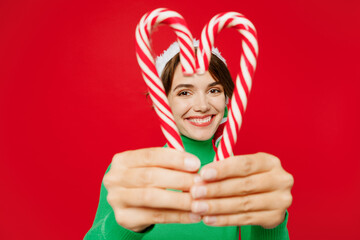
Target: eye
x=214 y=90
x=183 y=93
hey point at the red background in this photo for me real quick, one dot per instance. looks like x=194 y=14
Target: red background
x=71 y=96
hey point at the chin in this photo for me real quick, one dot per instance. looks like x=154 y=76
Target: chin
x=200 y=136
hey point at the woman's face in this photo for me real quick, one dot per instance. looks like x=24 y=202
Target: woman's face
x=197 y=103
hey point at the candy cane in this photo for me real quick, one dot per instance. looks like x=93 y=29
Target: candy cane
x=243 y=81
x=147 y=64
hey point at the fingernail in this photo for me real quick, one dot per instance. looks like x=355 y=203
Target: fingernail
x=197 y=179
x=198 y=191
x=194 y=217
x=200 y=207
x=209 y=219
x=208 y=174
x=192 y=164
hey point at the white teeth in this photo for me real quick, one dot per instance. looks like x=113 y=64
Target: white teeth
x=200 y=120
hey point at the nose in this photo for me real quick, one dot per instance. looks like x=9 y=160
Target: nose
x=201 y=103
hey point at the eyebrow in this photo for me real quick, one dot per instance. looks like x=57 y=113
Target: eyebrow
x=191 y=86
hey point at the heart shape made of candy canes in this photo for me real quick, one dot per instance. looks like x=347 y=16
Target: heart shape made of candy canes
x=191 y=65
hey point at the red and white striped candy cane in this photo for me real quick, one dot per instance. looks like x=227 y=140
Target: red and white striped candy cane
x=243 y=81
x=147 y=64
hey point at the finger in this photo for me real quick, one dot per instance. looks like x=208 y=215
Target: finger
x=137 y=219
x=157 y=157
x=239 y=166
x=151 y=198
x=240 y=186
x=157 y=178
x=249 y=203
x=266 y=219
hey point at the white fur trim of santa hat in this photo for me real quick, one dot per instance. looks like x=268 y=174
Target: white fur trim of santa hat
x=174 y=49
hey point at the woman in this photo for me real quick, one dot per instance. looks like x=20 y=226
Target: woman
x=251 y=191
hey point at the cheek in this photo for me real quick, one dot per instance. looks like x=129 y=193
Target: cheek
x=178 y=107
x=219 y=103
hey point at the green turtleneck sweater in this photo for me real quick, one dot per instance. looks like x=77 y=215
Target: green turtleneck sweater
x=105 y=226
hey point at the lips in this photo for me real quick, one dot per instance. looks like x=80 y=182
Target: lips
x=201 y=121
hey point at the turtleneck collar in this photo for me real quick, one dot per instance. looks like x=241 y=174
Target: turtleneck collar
x=202 y=149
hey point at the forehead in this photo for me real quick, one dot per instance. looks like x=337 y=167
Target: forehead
x=196 y=79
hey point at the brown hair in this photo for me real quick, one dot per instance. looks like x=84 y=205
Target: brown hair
x=217 y=70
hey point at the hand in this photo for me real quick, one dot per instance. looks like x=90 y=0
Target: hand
x=137 y=183
x=243 y=190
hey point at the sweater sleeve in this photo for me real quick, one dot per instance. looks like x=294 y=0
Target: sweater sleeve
x=253 y=232
x=105 y=226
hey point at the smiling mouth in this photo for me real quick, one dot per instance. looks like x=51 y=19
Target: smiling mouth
x=201 y=121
